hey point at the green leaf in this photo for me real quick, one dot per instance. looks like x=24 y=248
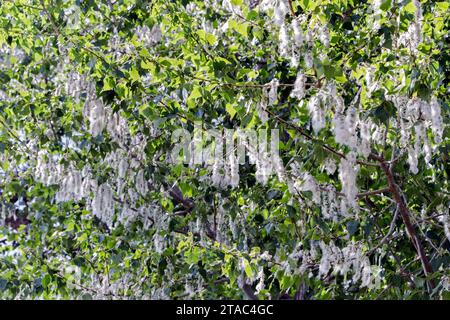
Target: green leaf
x=385 y=5
x=206 y=37
x=231 y=110
x=134 y=75
x=108 y=84
x=46 y=280
x=443 y=6
x=247 y=268
x=195 y=94
x=240 y=27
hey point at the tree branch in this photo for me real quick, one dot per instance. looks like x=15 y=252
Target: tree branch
x=301 y=292
x=311 y=138
x=388 y=235
x=361 y=194
x=291 y=7
x=249 y=292
x=405 y=214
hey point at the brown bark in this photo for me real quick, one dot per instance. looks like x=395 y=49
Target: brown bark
x=404 y=213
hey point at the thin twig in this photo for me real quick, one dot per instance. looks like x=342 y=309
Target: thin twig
x=311 y=138
x=291 y=7
x=388 y=235
x=362 y=194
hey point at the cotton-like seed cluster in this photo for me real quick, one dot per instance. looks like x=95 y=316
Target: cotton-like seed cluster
x=344 y=125
x=332 y=205
x=225 y=165
x=222 y=224
x=371 y=83
x=217 y=173
x=233 y=169
x=310 y=184
x=189 y=290
x=103 y=204
x=280 y=7
x=148 y=36
x=272 y=93
x=226 y=173
x=97 y=117
x=298 y=33
x=299 y=90
x=444 y=218
x=278 y=167
x=71 y=187
x=261 y=110
x=377 y=14
x=269 y=98
x=141 y=183
x=117 y=46
x=413 y=36
x=72 y=17
x=283 y=42
x=365 y=137
x=319 y=105
x=316 y=113
x=330 y=166
x=75 y=185
x=117 y=127
x=291 y=38
x=415 y=117
x=437 y=124
x=354 y=258
x=49 y=171
x=266 y=163
x=75 y=85
x=349 y=260
x=348 y=169
x=5 y=212
x=6 y=55
x=233 y=228
x=159 y=243
x=324 y=36
x=121 y=165
x=260 y=286
x=263 y=168
x=308 y=58
x=356 y=133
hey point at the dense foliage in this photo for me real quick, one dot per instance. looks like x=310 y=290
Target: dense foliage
x=355 y=205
